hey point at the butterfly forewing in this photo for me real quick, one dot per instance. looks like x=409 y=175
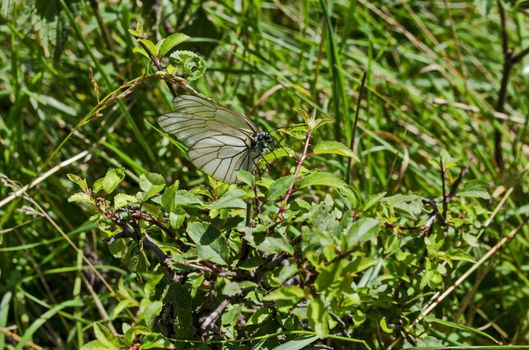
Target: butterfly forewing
x=209 y=109
x=219 y=140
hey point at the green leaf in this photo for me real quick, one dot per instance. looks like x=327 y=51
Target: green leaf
x=275 y=244
x=138 y=32
x=319 y=178
x=318 y=318
x=230 y=199
x=459 y=254
x=151 y=184
x=333 y=147
x=151 y=312
x=105 y=336
x=122 y=200
x=171 y=198
x=141 y=51
x=191 y=65
x=151 y=48
x=80 y=197
x=323 y=179
x=156 y=341
x=245 y=177
x=278 y=188
x=167 y=200
x=97 y=345
x=374 y=199
x=231 y=314
x=285 y=297
x=231 y=289
x=170 y=42
x=297 y=344
x=79 y=181
x=410 y=203
x=330 y=275
x=111 y=180
x=211 y=244
x=474 y=189
x=360 y=231
x=259 y=316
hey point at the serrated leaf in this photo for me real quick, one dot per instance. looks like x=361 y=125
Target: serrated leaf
x=333 y=147
x=231 y=314
x=245 y=177
x=321 y=122
x=187 y=198
x=274 y=245
x=172 y=198
x=151 y=312
x=151 y=48
x=138 y=32
x=230 y=199
x=360 y=231
x=170 y=42
x=191 y=65
x=259 y=316
x=111 y=180
x=211 y=244
x=410 y=203
x=122 y=200
x=105 y=336
x=151 y=184
x=231 y=289
x=141 y=51
x=80 y=197
x=79 y=181
x=279 y=187
x=374 y=199
x=319 y=178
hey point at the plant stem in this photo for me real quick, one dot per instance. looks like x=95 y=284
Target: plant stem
x=301 y=159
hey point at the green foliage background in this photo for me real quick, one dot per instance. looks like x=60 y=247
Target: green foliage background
x=434 y=214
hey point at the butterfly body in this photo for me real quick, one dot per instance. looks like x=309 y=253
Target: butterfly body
x=261 y=141
x=219 y=141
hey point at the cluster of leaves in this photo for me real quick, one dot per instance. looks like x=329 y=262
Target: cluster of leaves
x=252 y=264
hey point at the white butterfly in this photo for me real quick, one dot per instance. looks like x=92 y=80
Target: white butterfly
x=220 y=141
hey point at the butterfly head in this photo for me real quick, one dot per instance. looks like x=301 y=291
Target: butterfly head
x=261 y=141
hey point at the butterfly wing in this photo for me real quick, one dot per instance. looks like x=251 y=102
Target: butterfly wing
x=218 y=139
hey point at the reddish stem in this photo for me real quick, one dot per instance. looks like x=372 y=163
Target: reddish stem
x=304 y=156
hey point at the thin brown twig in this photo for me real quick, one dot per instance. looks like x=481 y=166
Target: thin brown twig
x=18 y=338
